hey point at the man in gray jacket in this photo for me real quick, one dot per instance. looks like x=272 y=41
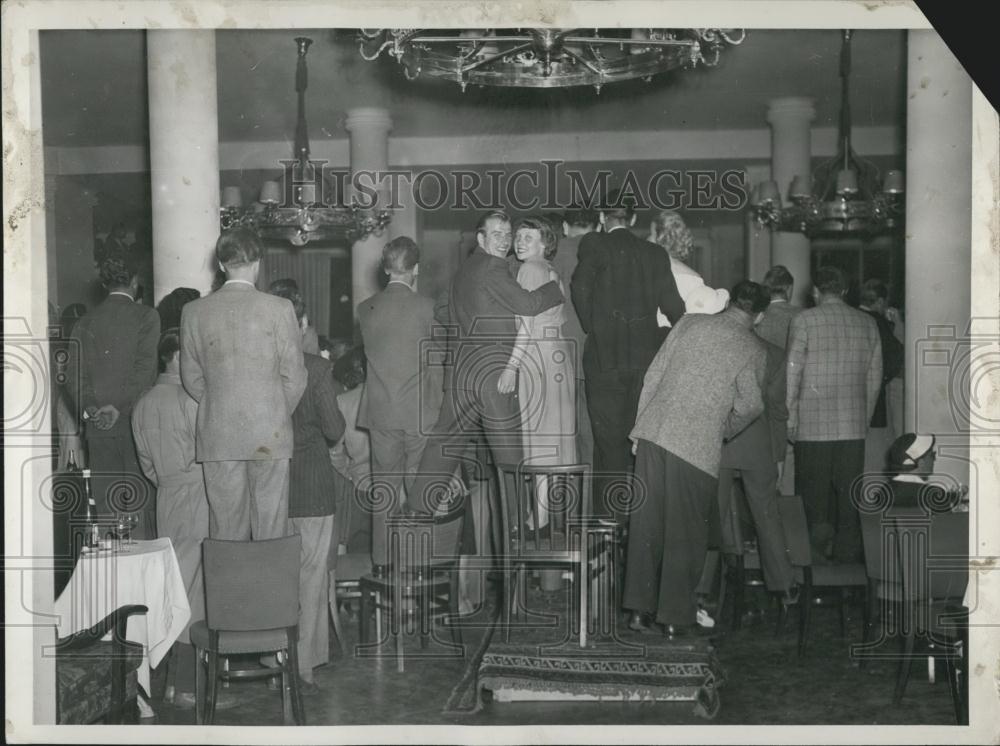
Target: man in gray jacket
x=703 y=386
x=241 y=360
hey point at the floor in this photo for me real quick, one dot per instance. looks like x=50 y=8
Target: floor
x=765 y=684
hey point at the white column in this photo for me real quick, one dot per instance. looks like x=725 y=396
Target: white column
x=938 y=247
x=369 y=132
x=183 y=158
x=790 y=157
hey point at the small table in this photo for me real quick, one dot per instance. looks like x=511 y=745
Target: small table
x=146 y=573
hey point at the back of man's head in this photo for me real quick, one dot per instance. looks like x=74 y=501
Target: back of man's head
x=750 y=297
x=238 y=247
x=168 y=347
x=830 y=281
x=873 y=291
x=619 y=208
x=118 y=270
x=289 y=289
x=400 y=256
x=581 y=219
x=779 y=280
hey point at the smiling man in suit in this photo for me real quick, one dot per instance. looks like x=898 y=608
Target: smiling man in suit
x=402 y=395
x=241 y=360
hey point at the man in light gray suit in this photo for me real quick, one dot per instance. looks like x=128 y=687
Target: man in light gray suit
x=241 y=360
x=703 y=386
x=402 y=396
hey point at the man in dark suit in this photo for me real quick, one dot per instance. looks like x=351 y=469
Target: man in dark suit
x=317 y=423
x=115 y=362
x=754 y=455
x=773 y=327
x=482 y=303
x=402 y=396
x=241 y=360
x=619 y=283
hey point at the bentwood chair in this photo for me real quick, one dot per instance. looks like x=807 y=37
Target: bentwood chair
x=933 y=551
x=98 y=679
x=251 y=607
x=571 y=538
x=838 y=576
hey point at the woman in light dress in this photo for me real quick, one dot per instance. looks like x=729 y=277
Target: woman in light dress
x=669 y=231
x=544 y=360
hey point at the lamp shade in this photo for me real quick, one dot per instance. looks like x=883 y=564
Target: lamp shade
x=769 y=192
x=847 y=182
x=231 y=197
x=270 y=193
x=800 y=187
x=895 y=183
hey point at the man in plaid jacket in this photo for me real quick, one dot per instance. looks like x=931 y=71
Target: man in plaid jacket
x=834 y=376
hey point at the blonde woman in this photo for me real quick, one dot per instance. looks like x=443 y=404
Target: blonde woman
x=668 y=230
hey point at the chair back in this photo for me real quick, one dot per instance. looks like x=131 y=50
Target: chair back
x=878 y=534
x=565 y=490
x=933 y=553
x=796 y=530
x=252 y=585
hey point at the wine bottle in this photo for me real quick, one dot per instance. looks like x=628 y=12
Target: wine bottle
x=92 y=538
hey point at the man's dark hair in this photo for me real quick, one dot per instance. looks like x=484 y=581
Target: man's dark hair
x=497 y=214
x=750 y=297
x=118 y=269
x=289 y=289
x=872 y=291
x=350 y=369
x=237 y=247
x=830 y=281
x=582 y=217
x=171 y=304
x=619 y=206
x=169 y=345
x=400 y=255
x=778 y=279
x=550 y=239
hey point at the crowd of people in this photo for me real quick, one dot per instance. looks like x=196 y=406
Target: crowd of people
x=586 y=345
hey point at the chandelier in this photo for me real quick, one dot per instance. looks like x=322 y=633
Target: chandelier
x=543 y=57
x=846 y=195
x=295 y=208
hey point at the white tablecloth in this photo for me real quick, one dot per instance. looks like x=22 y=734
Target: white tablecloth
x=145 y=573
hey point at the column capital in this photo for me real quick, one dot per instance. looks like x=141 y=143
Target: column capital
x=791 y=109
x=368 y=118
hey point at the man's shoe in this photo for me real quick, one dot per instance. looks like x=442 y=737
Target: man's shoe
x=640 y=621
x=308 y=688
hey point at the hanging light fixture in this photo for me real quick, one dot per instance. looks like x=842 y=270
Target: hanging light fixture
x=294 y=207
x=545 y=57
x=847 y=194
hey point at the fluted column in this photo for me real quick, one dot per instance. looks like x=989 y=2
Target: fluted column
x=791 y=153
x=183 y=158
x=369 y=132
x=938 y=246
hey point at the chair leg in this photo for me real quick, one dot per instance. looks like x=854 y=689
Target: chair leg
x=298 y=712
x=199 y=686
x=453 y=610
x=805 y=613
x=213 y=686
x=739 y=589
x=364 y=614
x=841 y=603
x=779 y=626
x=955 y=686
x=287 y=707
x=335 y=610
x=903 y=675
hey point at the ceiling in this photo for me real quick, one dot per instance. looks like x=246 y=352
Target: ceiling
x=94 y=89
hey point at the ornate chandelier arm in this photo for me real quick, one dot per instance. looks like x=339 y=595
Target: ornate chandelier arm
x=585 y=62
x=504 y=53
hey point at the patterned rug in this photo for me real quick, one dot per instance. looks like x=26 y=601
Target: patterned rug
x=545 y=662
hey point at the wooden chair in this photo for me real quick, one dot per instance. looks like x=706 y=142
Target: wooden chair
x=346 y=570
x=251 y=606
x=743 y=565
x=97 y=679
x=884 y=583
x=567 y=539
x=933 y=553
x=841 y=577
x=418 y=581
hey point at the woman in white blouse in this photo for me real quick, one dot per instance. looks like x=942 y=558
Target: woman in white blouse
x=669 y=231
